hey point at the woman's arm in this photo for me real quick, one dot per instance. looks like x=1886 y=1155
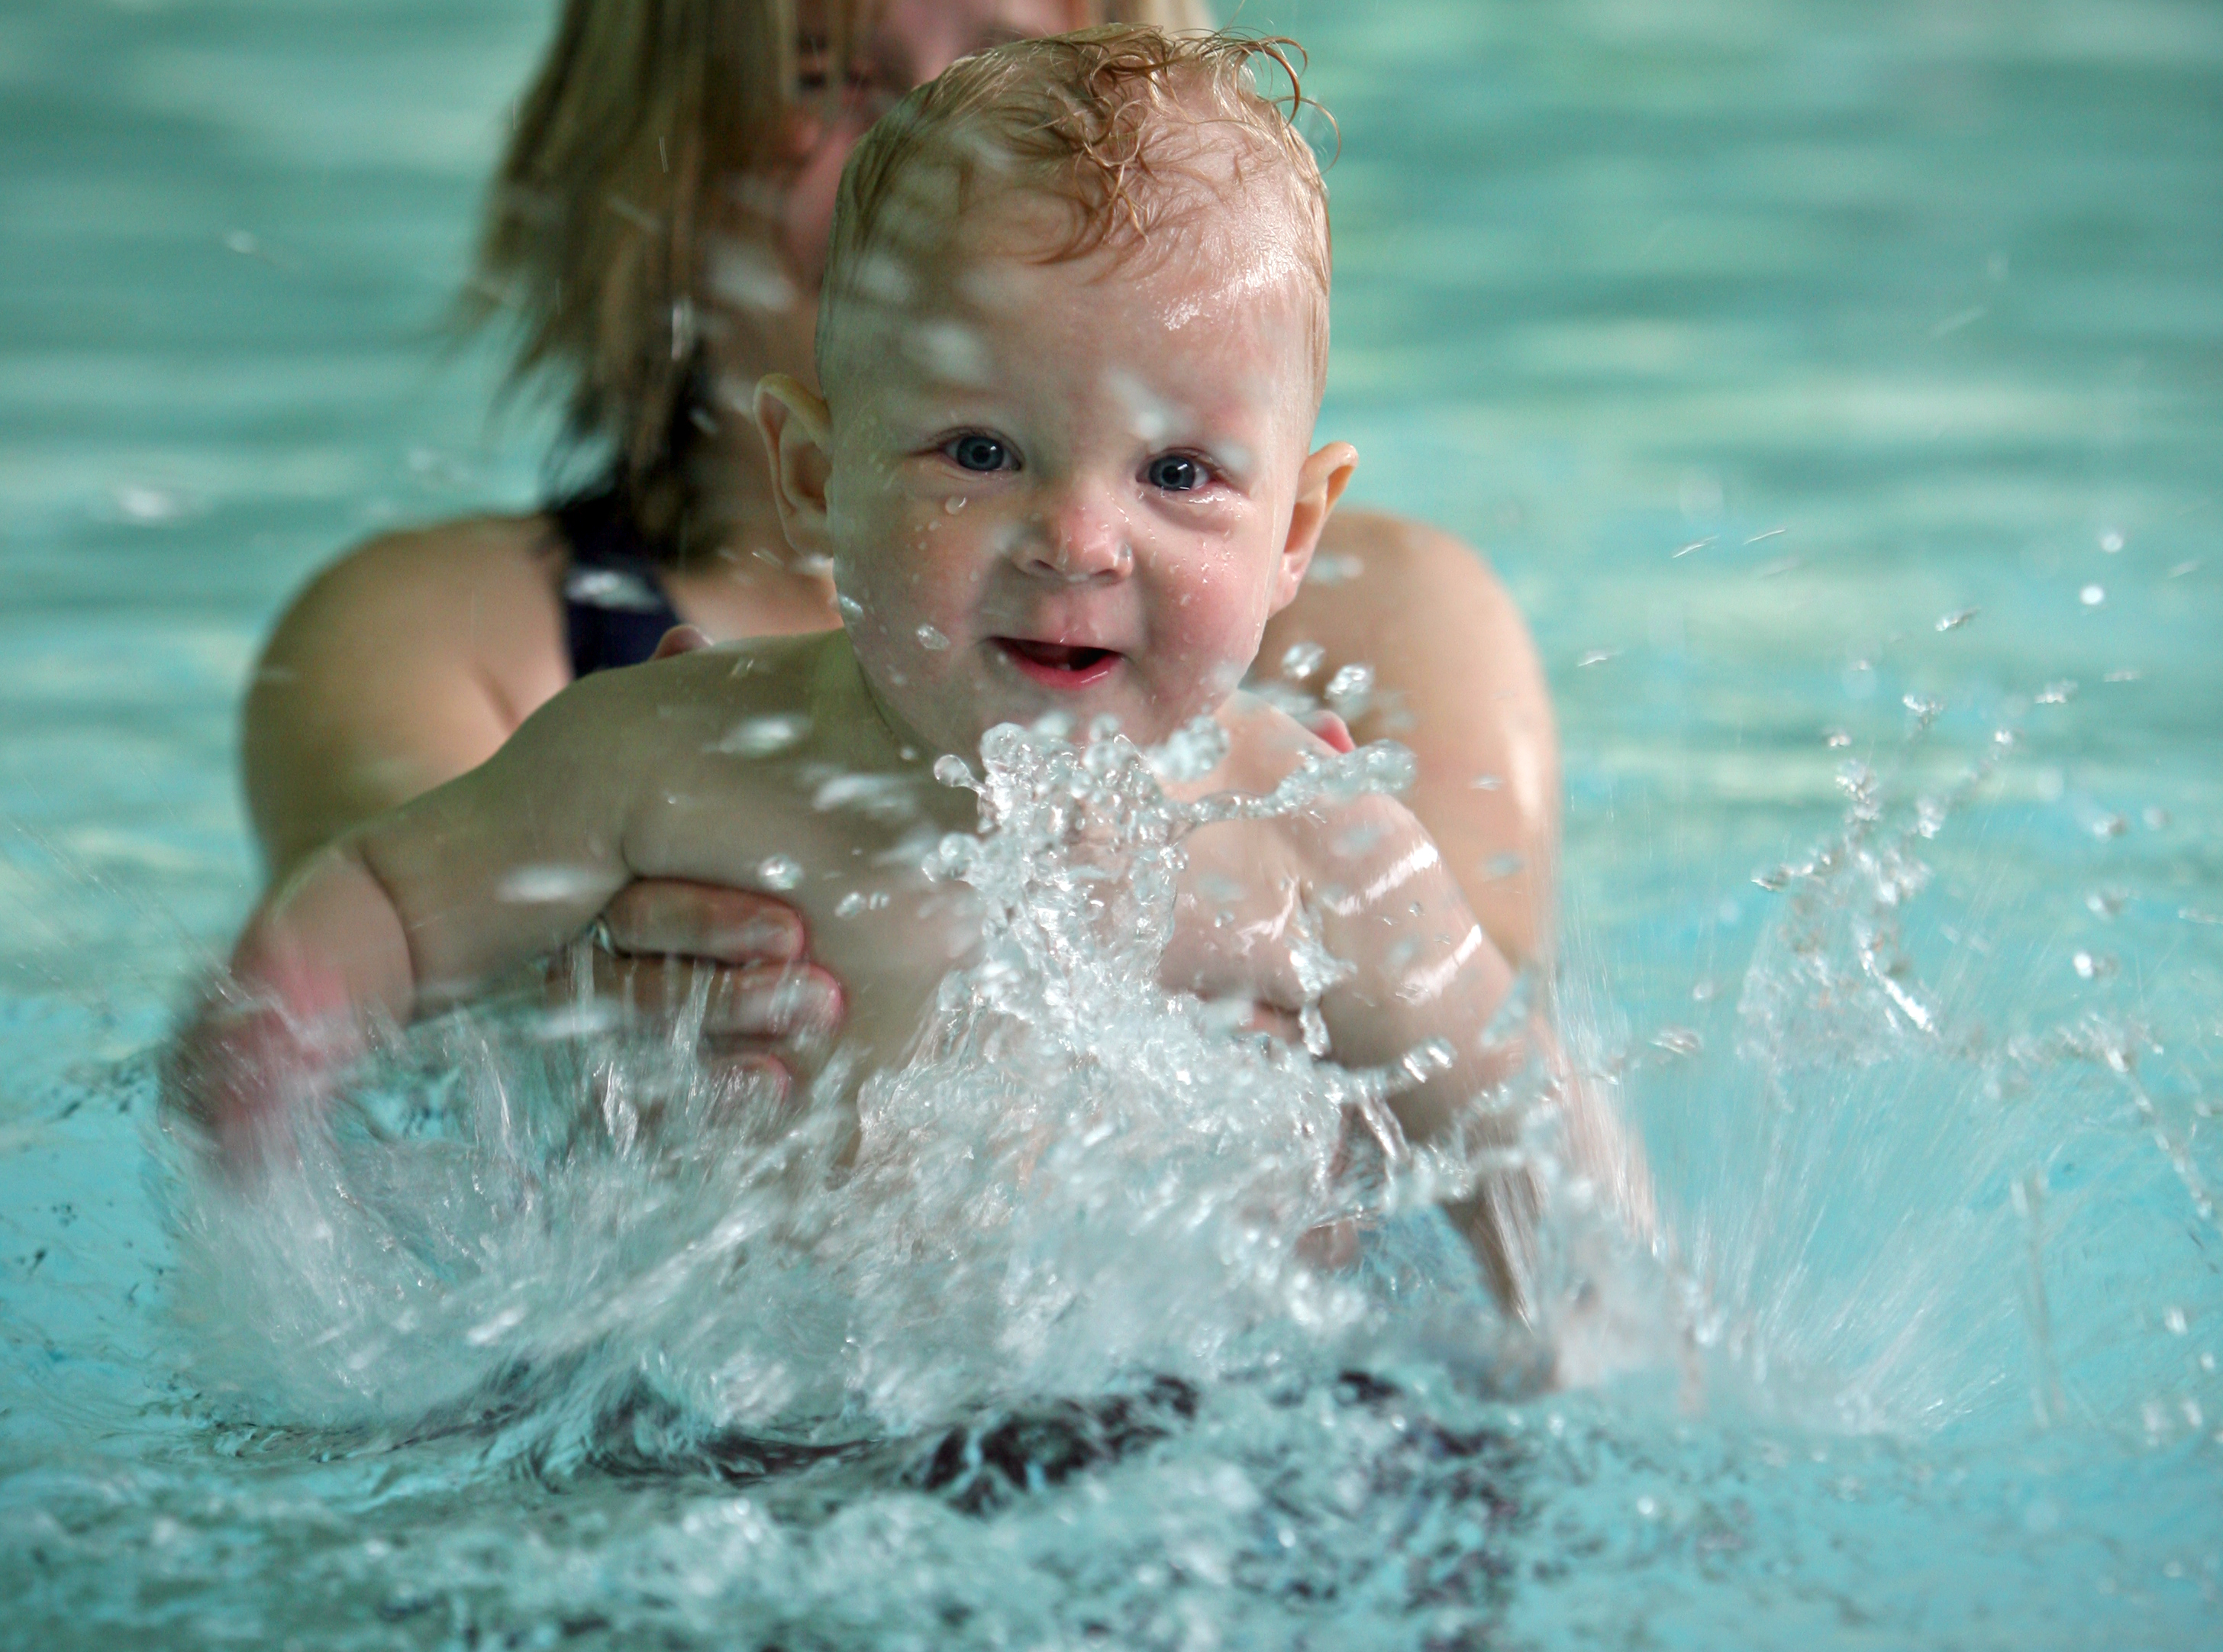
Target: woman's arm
x=1456 y=678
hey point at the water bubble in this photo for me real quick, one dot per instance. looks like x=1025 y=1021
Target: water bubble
x=2093 y=595
x=549 y=885
x=2173 y=1322
x=850 y=904
x=2111 y=541
x=1349 y=690
x=147 y=505
x=2108 y=826
x=1958 y=618
x=2060 y=692
x=762 y=736
x=931 y=639
x=2106 y=904
x=2156 y=817
x=1596 y=657
x=779 y=872
x=880 y=797
x=1334 y=569
x=1836 y=738
x=1301 y=659
x=1679 y=1041
x=2095 y=966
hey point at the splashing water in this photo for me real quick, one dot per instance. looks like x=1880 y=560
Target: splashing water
x=1078 y=1180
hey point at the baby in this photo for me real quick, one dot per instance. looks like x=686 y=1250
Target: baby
x=1072 y=345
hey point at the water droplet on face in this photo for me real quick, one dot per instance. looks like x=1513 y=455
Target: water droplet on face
x=931 y=639
x=2093 y=595
x=851 y=609
x=954 y=503
x=1302 y=659
x=779 y=872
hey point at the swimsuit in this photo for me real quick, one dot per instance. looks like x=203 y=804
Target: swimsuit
x=615 y=610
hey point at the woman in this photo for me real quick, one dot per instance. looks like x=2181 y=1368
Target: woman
x=656 y=231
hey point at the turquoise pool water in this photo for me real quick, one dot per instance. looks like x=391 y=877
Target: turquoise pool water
x=1831 y=382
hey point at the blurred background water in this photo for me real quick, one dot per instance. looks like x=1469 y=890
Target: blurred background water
x=1792 y=360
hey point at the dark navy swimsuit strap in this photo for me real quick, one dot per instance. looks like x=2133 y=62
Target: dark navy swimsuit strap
x=615 y=610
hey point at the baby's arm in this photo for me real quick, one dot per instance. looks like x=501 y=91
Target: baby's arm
x=411 y=909
x=1423 y=970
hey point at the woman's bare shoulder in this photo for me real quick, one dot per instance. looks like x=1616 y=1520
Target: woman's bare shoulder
x=1372 y=560
x=461 y=573
x=399 y=664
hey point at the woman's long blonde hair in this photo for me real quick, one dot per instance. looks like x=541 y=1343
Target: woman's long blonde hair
x=629 y=165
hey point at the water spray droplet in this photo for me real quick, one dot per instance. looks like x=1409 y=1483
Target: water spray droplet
x=1302 y=659
x=779 y=872
x=1349 y=690
x=2106 y=904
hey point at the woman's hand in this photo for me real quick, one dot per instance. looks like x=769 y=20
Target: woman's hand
x=767 y=1009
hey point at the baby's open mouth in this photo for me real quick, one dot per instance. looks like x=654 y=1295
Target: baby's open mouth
x=1058 y=664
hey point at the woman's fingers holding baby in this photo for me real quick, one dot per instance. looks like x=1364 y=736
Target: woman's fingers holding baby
x=753 y=1004
x=666 y=948
x=671 y=917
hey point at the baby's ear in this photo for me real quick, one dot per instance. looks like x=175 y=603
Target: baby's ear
x=798 y=435
x=1320 y=483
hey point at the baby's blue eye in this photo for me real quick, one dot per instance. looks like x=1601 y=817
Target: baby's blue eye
x=978 y=452
x=1175 y=473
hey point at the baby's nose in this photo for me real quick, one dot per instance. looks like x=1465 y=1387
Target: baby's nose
x=1081 y=541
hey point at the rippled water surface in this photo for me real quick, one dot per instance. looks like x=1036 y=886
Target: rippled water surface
x=1839 y=387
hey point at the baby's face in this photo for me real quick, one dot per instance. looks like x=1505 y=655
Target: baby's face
x=1069 y=486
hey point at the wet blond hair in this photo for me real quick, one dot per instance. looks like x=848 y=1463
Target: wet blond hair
x=651 y=138
x=1129 y=125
